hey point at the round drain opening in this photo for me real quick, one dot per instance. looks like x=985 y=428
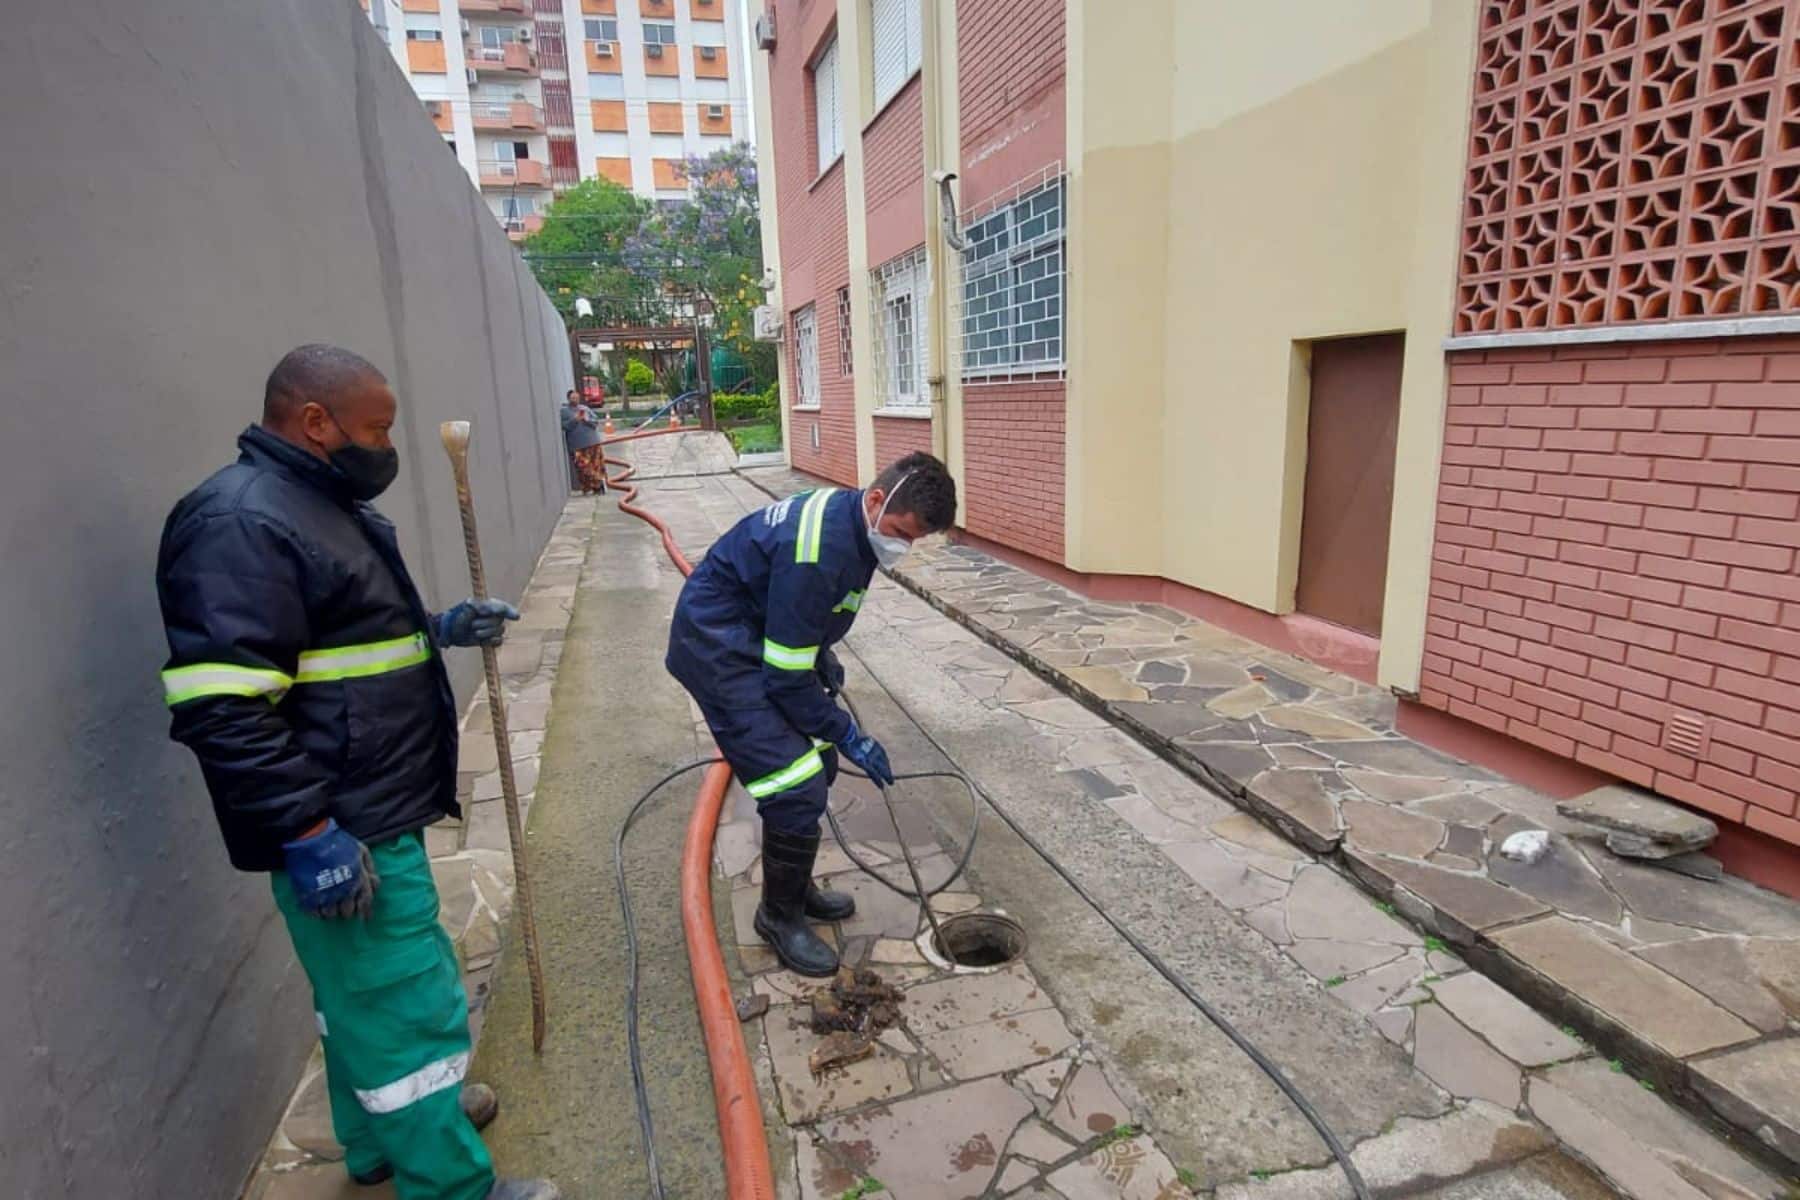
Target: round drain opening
x=979 y=939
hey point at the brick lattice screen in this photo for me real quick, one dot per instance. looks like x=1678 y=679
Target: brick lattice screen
x=1631 y=161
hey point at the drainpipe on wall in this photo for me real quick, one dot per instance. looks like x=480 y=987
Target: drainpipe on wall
x=938 y=258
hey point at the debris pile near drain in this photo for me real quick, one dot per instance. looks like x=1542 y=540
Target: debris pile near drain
x=850 y=1014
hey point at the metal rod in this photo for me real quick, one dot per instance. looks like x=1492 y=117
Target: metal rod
x=456 y=444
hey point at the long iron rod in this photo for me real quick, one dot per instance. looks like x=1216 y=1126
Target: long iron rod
x=456 y=444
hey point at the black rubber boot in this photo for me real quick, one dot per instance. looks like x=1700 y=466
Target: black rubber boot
x=822 y=905
x=781 y=917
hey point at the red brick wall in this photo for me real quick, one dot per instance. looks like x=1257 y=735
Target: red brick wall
x=895 y=436
x=815 y=259
x=1010 y=77
x=1616 y=542
x=893 y=176
x=1013 y=465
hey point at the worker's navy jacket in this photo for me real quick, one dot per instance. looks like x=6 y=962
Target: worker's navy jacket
x=780 y=587
x=301 y=669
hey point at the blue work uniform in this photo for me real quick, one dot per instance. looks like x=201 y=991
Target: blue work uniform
x=778 y=589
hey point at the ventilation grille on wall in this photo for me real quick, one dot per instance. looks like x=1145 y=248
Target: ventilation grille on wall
x=1687 y=734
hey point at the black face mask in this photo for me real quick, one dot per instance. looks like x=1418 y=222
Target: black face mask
x=368 y=472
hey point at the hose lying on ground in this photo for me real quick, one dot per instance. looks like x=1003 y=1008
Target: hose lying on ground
x=697 y=827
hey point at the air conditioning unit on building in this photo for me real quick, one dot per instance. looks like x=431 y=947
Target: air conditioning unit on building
x=715 y=112
x=654 y=50
x=465 y=27
x=471 y=76
x=525 y=35
x=765 y=323
x=765 y=30
x=603 y=49
x=709 y=52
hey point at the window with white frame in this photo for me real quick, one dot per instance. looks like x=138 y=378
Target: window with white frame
x=846 y=360
x=1012 y=289
x=806 y=357
x=600 y=29
x=828 y=106
x=895 y=34
x=424 y=35
x=897 y=292
x=657 y=33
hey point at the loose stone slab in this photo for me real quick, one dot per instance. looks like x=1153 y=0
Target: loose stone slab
x=1003 y=1045
x=1299 y=804
x=1504 y=1020
x=1457 y=906
x=1754 y=1088
x=1562 y=878
x=1635 y=811
x=1653 y=1006
x=1637 y=1122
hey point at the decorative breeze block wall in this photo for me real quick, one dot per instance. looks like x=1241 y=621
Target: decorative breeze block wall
x=1631 y=161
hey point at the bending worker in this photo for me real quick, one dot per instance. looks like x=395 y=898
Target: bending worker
x=306 y=676
x=751 y=641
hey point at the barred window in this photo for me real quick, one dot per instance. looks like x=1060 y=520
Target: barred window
x=845 y=367
x=897 y=293
x=1012 y=293
x=806 y=357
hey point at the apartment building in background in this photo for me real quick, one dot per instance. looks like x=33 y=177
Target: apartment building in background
x=1453 y=345
x=534 y=96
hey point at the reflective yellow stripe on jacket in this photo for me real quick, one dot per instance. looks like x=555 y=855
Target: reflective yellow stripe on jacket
x=199 y=680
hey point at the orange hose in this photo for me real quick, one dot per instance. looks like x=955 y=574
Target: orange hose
x=748 y=1175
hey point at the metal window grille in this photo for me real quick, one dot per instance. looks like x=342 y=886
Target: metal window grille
x=845 y=361
x=1014 y=271
x=806 y=355
x=897 y=294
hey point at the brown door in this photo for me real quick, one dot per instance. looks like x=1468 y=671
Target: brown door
x=1350 y=479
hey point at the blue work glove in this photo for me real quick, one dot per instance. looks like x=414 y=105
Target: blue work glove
x=332 y=873
x=474 y=623
x=830 y=672
x=867 y=754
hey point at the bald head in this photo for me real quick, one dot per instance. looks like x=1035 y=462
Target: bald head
x=319 y=397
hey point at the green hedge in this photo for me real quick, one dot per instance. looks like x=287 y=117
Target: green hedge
x=748 y=406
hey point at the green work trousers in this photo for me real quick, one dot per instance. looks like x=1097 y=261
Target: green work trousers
x=395 y=1024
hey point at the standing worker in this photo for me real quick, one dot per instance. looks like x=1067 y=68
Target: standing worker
x=306 y=676
x=751 y=641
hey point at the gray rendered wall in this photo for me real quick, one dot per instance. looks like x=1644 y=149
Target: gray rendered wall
x=189 y=189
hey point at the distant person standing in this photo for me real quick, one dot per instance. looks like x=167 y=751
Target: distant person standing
x=582 y=433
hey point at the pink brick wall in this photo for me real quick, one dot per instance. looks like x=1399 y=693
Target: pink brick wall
x=815 y=259
x=896 y=436
x=1616 y=542
x=893 y=177
x=1013 y=465
x=1010 y=77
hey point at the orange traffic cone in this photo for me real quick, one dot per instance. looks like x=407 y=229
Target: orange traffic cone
x=608 y=426
x=674 y=419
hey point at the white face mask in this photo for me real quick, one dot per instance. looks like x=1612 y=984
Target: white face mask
x=888 y=548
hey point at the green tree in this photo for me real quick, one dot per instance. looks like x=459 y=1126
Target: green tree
x=580 y=251
x=710 y=247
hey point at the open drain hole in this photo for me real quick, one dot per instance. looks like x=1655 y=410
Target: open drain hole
x=978 y=939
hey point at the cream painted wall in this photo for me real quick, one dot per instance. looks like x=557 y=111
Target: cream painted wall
x=1120 y=76
x=1307 y=175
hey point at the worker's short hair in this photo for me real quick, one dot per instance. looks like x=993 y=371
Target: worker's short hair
x=313 y=373
x=929 y=494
